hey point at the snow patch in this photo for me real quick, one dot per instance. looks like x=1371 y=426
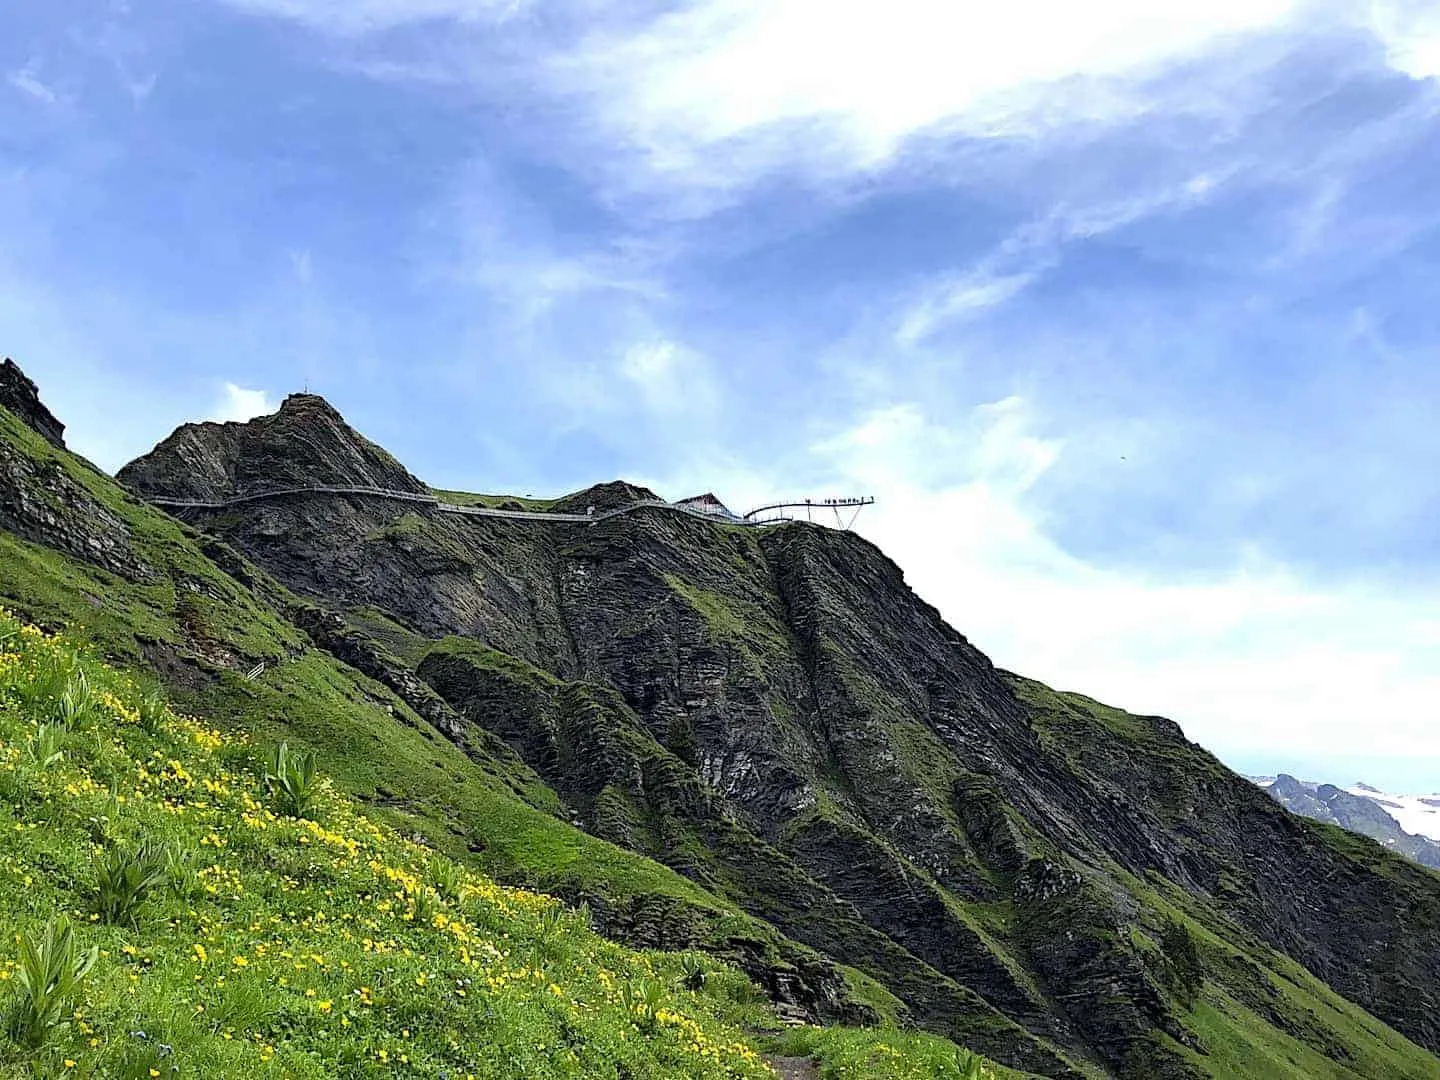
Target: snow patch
x=1417 y=814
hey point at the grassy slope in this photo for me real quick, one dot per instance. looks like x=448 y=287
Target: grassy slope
x=301 y=948
x=495 y=816
x=850 y=1054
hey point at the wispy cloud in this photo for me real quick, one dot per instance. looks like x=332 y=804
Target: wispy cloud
x=487 y=234
x=668 y=378
x=1024 y=256
x=702 y=100
x=27 y=81
x=302 y=265
x=368 y=16
x=849 y=84
x=237 y=403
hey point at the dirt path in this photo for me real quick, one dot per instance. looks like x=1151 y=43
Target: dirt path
x=793 y=1068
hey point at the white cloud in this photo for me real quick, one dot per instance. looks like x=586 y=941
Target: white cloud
x=1257 y=660
x=670 y=379
x=498 y=239
x=26 y=81
x=238 y=403
x=703 y=98
x=723 y=91
x=1410 y=32
x=954 y=298
x=723 y=68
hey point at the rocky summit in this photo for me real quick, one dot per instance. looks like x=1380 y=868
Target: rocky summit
x=781 y=753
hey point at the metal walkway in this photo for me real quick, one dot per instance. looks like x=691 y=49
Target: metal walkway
x=434 y=503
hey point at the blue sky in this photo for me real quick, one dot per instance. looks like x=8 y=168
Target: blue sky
x=1125 y=312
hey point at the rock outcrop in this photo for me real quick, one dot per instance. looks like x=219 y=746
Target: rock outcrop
x=44 y=503
x=18 y=393
x=305 y=443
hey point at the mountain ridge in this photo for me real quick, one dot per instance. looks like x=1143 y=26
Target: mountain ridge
x=1361 y=809
x=774 y=715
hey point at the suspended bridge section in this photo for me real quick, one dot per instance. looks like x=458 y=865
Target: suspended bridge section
x=771 y=514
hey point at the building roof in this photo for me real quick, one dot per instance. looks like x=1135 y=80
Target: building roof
x=707 y=501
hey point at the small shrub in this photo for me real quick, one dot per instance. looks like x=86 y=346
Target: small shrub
x=448 y=879
x=642 y=1000
x=75 y=706
x=424 y=905
x=1183 y=968
x=180 y=875
x=152 y=709
x=245 y=1006
x=551 y=923
x=51 y=973
x=125 y=881
x=39 y=687
x=294 y=781
x=971 y=1066
x=693 y=973
x=46 y=746
x=554 y=928
x=98 y=824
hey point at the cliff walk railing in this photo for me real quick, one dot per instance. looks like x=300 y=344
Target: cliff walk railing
x=435 y=503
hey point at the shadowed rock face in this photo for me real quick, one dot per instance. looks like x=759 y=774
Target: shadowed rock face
x=778 y=716
x=306 y=443
x=43 y=504
x=19 y=395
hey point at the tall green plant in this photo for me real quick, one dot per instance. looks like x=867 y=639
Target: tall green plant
x=424 y=905
x=643 y=1000
x=51 y=973
x=294 y=781
x=447 y=879
x=125 y=880
x=46 y=746
x=152 y=712
x=40 y=685
x=693 y=973
x=971 y=1066
x=76 y=704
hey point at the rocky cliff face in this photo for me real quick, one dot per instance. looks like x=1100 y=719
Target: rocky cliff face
x=777 y=716
x=305 y=444
x=19 y=394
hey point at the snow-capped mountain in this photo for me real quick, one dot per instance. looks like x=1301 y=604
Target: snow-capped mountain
x=1407 y=824
x=1418 y=814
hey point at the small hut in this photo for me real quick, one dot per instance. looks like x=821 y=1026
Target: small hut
x=707 y=504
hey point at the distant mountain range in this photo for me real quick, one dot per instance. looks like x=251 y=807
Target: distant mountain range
x=1407 y=824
